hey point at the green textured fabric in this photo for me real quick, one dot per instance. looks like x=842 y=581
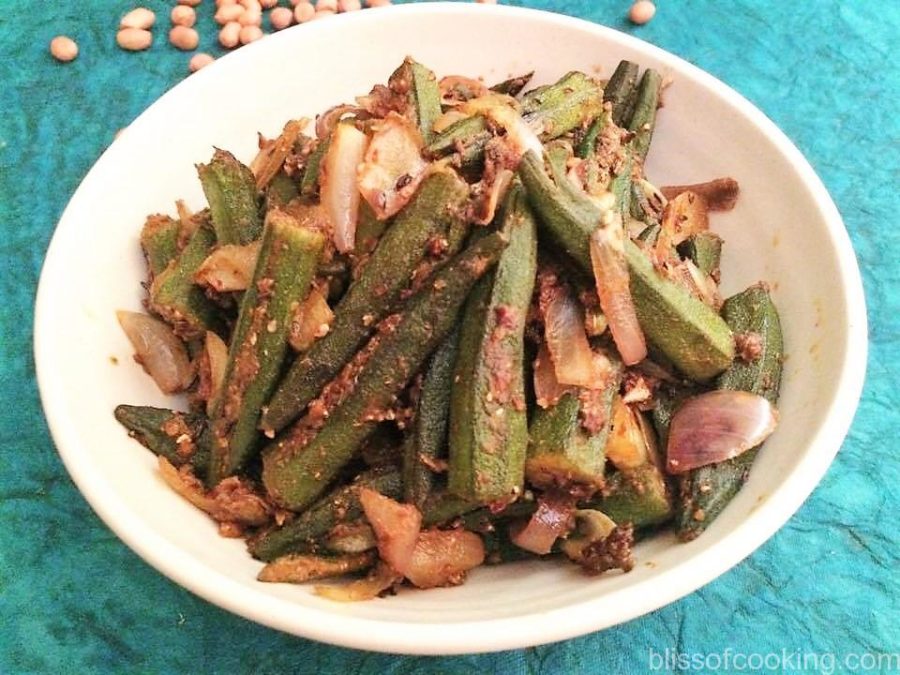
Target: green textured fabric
x=75 y=599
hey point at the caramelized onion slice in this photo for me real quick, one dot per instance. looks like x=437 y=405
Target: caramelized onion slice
x=339 y=191
x=229 y=267
x=396 y=528
x=547 y=389
x=442 y=557
x=566 y=339
x=613 y=289
x=393 y=166
x=553 y=518
x=162 y=355
x=217 y=355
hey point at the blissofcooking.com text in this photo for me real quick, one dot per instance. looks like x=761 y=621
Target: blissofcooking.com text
x=786 y=660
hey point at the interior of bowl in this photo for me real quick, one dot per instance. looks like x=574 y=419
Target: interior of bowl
x=784 y=230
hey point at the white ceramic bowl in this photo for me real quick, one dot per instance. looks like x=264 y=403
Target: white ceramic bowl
x=785 y=230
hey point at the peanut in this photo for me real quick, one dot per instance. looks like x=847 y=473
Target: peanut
x=183 y=16
x=250 y=34
x=281 y=17
x=641 y=12
x=229 y=36
x=199 y=61
x=303 y=12
x=141 y=17
x=228 y=13
x=184 y=38
x=63 y=48
x=134 y=39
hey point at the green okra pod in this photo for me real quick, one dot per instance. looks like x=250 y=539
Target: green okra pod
x=177 y=436
x=566 y=444
x=649 y=235
x=423 y=94
x=687 y=331
x=571 y=102
x=621 y=91
x=369 y=229
x=705 y=250
x=467 y=137
x=620 y=186
x=281 y=190
x=643 y=119
x=441 y=507
x=287 y=261
x=488 y=426
x=705 y=492
x=300 y=465
x=159 y=242
x=175 y=296
x=230 y=189
x=434 y=216
x=587 y=146
x=428 y=437
x=309 y=181
x=304 y=532
x=639 y=496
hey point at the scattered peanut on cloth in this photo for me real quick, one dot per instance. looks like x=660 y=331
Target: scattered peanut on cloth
x=242 y=22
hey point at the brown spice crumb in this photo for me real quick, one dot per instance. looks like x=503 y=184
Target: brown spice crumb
x=748 y=346
x=614 y=552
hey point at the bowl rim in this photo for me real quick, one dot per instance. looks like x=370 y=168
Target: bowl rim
x=510 y=632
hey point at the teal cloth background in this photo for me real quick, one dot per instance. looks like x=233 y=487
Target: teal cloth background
x=75 y=599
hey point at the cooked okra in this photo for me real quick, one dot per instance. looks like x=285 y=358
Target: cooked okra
x=505 y=344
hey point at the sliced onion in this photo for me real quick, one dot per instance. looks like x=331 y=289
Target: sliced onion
x=271 y=155
x=702 y=285
x=217 y=357
x=501 y=109
x=567 y=341
x=496 y=191
x=377 y=582
x=442 y=557
x=328 y=120
x=228 y=268
x=685 y=215
x=547 y=389
x=231 y=501
x=396 y=527
x=311 y=321
x=614 y=291
x=553 y=518
x=162 y=355
x=339 y=191
x=721 y=194
x=716 y=426
x=393 y=166
x=626 y=446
